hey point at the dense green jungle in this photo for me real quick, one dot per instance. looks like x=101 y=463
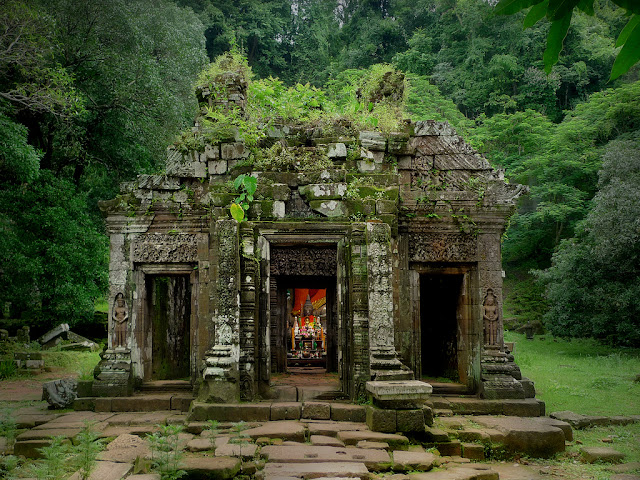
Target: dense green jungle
x=92 y=93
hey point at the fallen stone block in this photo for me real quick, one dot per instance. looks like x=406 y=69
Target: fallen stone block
x=574 y=419
x=53 y=333
x=60 y=393
x=564 y=426
x=528 y=436
x=601 y=454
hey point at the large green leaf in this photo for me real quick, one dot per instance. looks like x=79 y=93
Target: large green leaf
x=629 y=54
x=587 y=7
x=536 y=14
x=631 y=5
x=237 y=212
x=509 y=7
x=557 y=32
x=560 y=8
x=626 y=31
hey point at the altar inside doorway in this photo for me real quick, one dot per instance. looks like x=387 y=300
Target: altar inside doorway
x=307 y=327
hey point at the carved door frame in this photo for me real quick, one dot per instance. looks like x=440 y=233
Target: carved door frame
x=269 y=240
x=142 y=335
x=467 y=330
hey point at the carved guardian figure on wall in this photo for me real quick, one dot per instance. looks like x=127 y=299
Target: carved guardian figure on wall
x=490 y=317
x=120 y=320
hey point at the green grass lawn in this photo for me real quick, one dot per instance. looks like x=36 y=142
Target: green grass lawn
x=580 y=375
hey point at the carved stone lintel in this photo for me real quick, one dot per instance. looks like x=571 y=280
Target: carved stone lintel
x=303 y=261
x=442 y=247
x=165 y=248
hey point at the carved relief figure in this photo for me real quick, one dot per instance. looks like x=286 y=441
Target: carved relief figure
x=120 y=320
x=490 y=318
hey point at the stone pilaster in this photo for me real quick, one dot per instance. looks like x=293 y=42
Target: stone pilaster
x=358 y=332
x=220 y=375
x=249 y=278
x=384 y=361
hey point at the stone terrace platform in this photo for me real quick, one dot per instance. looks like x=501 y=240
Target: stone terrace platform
x=305 y=448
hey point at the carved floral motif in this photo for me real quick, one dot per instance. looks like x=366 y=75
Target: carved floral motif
x=165 y=248
x=442 y=247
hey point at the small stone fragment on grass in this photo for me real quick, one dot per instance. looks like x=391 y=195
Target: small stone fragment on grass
x=601 y=454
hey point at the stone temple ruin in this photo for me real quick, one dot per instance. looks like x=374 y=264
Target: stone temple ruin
x=381 y=264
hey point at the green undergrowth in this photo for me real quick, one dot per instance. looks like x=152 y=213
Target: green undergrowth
x=580 y=375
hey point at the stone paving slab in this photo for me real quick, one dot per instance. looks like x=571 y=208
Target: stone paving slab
x=272 y=471
x=286 y=430
x=199 y=444
x=624 y=476
x=564 y=426
x=48 y=433
x=220 y=468
x=377 y=460
x=107 y=471
x=330 y=429
x=324 y=440
x=125 y=449
x=33 y=420
x=407 y=461
x=148 y=418
x=526 y=435
x=29 y=448
x=369 y=444
x=144 y=476
x=353 y=437
x=140 y=430
x=247 y=451
x=458 y=473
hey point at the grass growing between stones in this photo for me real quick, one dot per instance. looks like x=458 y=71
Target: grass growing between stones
x=580 y=375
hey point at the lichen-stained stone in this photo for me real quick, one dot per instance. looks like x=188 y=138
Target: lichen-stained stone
x=316 y=410
x=217 y=167
x=328 y=208
x=337 y=150
x=323 y=191
x=409 y=421
x=373 y=141
x=431 y=127
x=233 y=151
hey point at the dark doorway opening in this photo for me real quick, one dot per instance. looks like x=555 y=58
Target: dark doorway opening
x=169 y=307
x=440 y=297
x=304 y=330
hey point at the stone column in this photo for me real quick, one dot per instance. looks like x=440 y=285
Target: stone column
x=220 y=375
x=385 y=364
x=250 y=274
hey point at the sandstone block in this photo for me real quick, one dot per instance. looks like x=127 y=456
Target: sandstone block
x=381 y=420
x=473 y=451
x=450 y=449
x=410 y=421
x=107 y=471
x=315 y=470
x=324 y=440
x=285 y=411
x=407 y=461
x=353 y=437
x=316 y=410
x=286 y=430
x=343 y=412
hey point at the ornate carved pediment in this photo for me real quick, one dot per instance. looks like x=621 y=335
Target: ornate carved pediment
x=165 y=248
x=442 y=247
x=303 y=261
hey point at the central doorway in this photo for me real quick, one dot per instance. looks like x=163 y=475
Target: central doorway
x=440 y=306
x=169 y=308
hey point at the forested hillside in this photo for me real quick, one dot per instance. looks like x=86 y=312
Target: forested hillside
x=91 y=93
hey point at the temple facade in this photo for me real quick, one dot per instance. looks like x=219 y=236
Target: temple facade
x=374 y=256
